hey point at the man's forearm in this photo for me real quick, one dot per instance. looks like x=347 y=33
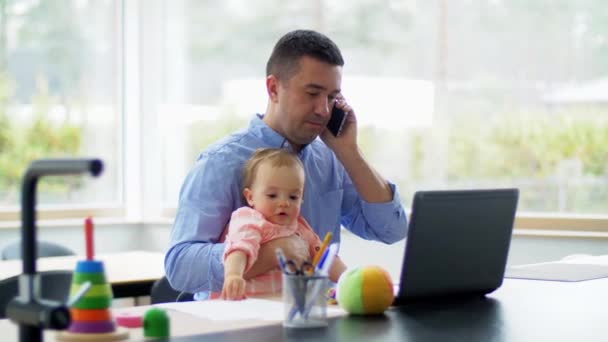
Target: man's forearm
x=370 y=185
x=194 y=267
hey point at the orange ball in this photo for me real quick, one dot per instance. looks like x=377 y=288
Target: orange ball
x=365 y=290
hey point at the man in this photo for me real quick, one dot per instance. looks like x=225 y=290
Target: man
x=303 y=78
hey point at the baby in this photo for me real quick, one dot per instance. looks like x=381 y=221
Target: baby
x=273 y=187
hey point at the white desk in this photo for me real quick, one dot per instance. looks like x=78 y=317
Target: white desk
x=131 y=274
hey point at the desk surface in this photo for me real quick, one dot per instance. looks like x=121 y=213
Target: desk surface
x=521 y=310
x=130 y=273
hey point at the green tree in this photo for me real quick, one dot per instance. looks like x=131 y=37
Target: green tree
x=39 y=138
x=529 y=145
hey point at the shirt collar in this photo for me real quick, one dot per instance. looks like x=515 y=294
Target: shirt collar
x=260 y=129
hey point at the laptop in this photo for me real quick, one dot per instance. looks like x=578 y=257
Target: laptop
x=457 y=243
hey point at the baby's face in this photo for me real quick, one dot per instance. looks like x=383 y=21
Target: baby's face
x=277 y=193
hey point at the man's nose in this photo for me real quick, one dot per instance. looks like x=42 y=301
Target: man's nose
x=324 y=107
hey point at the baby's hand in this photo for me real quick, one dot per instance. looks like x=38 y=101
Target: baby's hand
x=234 y=288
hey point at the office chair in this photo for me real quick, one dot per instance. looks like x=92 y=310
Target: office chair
x=55 y=285
x=162 y=292
x=12 y=251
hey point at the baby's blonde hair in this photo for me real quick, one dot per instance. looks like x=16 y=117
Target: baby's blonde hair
x=277 y=157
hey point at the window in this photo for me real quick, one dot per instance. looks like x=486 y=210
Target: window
x=467 y=94
x=59 y=97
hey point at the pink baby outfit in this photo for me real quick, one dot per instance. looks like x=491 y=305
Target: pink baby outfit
x=248 y=229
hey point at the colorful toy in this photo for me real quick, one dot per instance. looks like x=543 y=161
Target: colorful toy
x=365 y=290
x=156 y=323
x=91 y=317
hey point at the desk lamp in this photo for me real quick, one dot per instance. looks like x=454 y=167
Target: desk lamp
x=28 y=310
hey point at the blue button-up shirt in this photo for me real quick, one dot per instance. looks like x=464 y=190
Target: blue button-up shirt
x=212 y=191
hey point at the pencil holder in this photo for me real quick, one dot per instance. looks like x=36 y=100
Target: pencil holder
x=304 y=301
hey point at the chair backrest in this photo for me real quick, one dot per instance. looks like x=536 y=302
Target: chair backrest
x=55 y=285
x=45 y=249
x=162 y=292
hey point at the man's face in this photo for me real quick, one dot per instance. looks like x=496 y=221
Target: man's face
x=304 y=101
x=277 y=192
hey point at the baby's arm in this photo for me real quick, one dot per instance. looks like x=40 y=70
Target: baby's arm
x=337 y=268
x=234 y=283
x=241 y=250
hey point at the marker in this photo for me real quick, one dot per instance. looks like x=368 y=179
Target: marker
x=321 y=250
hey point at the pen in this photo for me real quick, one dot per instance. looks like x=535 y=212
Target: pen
x=315 y=260
x=324 y=271
x=323 y=258
x=281 y=260
x=329 y=259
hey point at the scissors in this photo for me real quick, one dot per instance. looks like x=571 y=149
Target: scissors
x=292 y=268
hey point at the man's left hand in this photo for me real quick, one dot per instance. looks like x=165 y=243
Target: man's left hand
x=347 y=140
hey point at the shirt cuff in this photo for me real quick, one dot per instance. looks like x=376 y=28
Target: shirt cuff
x=386 y=214
x=216 y=267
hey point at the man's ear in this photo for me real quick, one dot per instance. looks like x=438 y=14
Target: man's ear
x=248 y=196
x=272 y=87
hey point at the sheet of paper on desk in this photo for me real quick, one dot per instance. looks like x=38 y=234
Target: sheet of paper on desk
x=248 y=309
x=588 y=260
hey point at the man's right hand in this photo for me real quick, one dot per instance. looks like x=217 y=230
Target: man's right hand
x=293 y=247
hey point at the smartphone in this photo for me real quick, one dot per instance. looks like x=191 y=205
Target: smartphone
x=336 y=121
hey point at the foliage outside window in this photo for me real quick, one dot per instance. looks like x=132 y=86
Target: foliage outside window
x=21 y=143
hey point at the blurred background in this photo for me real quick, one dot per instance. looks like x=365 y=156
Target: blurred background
x=449 y=94
x=455 y=94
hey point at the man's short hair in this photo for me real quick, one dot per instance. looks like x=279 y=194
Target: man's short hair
x=285 y=57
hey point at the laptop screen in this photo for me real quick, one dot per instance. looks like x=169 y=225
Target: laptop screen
x=458 y=242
